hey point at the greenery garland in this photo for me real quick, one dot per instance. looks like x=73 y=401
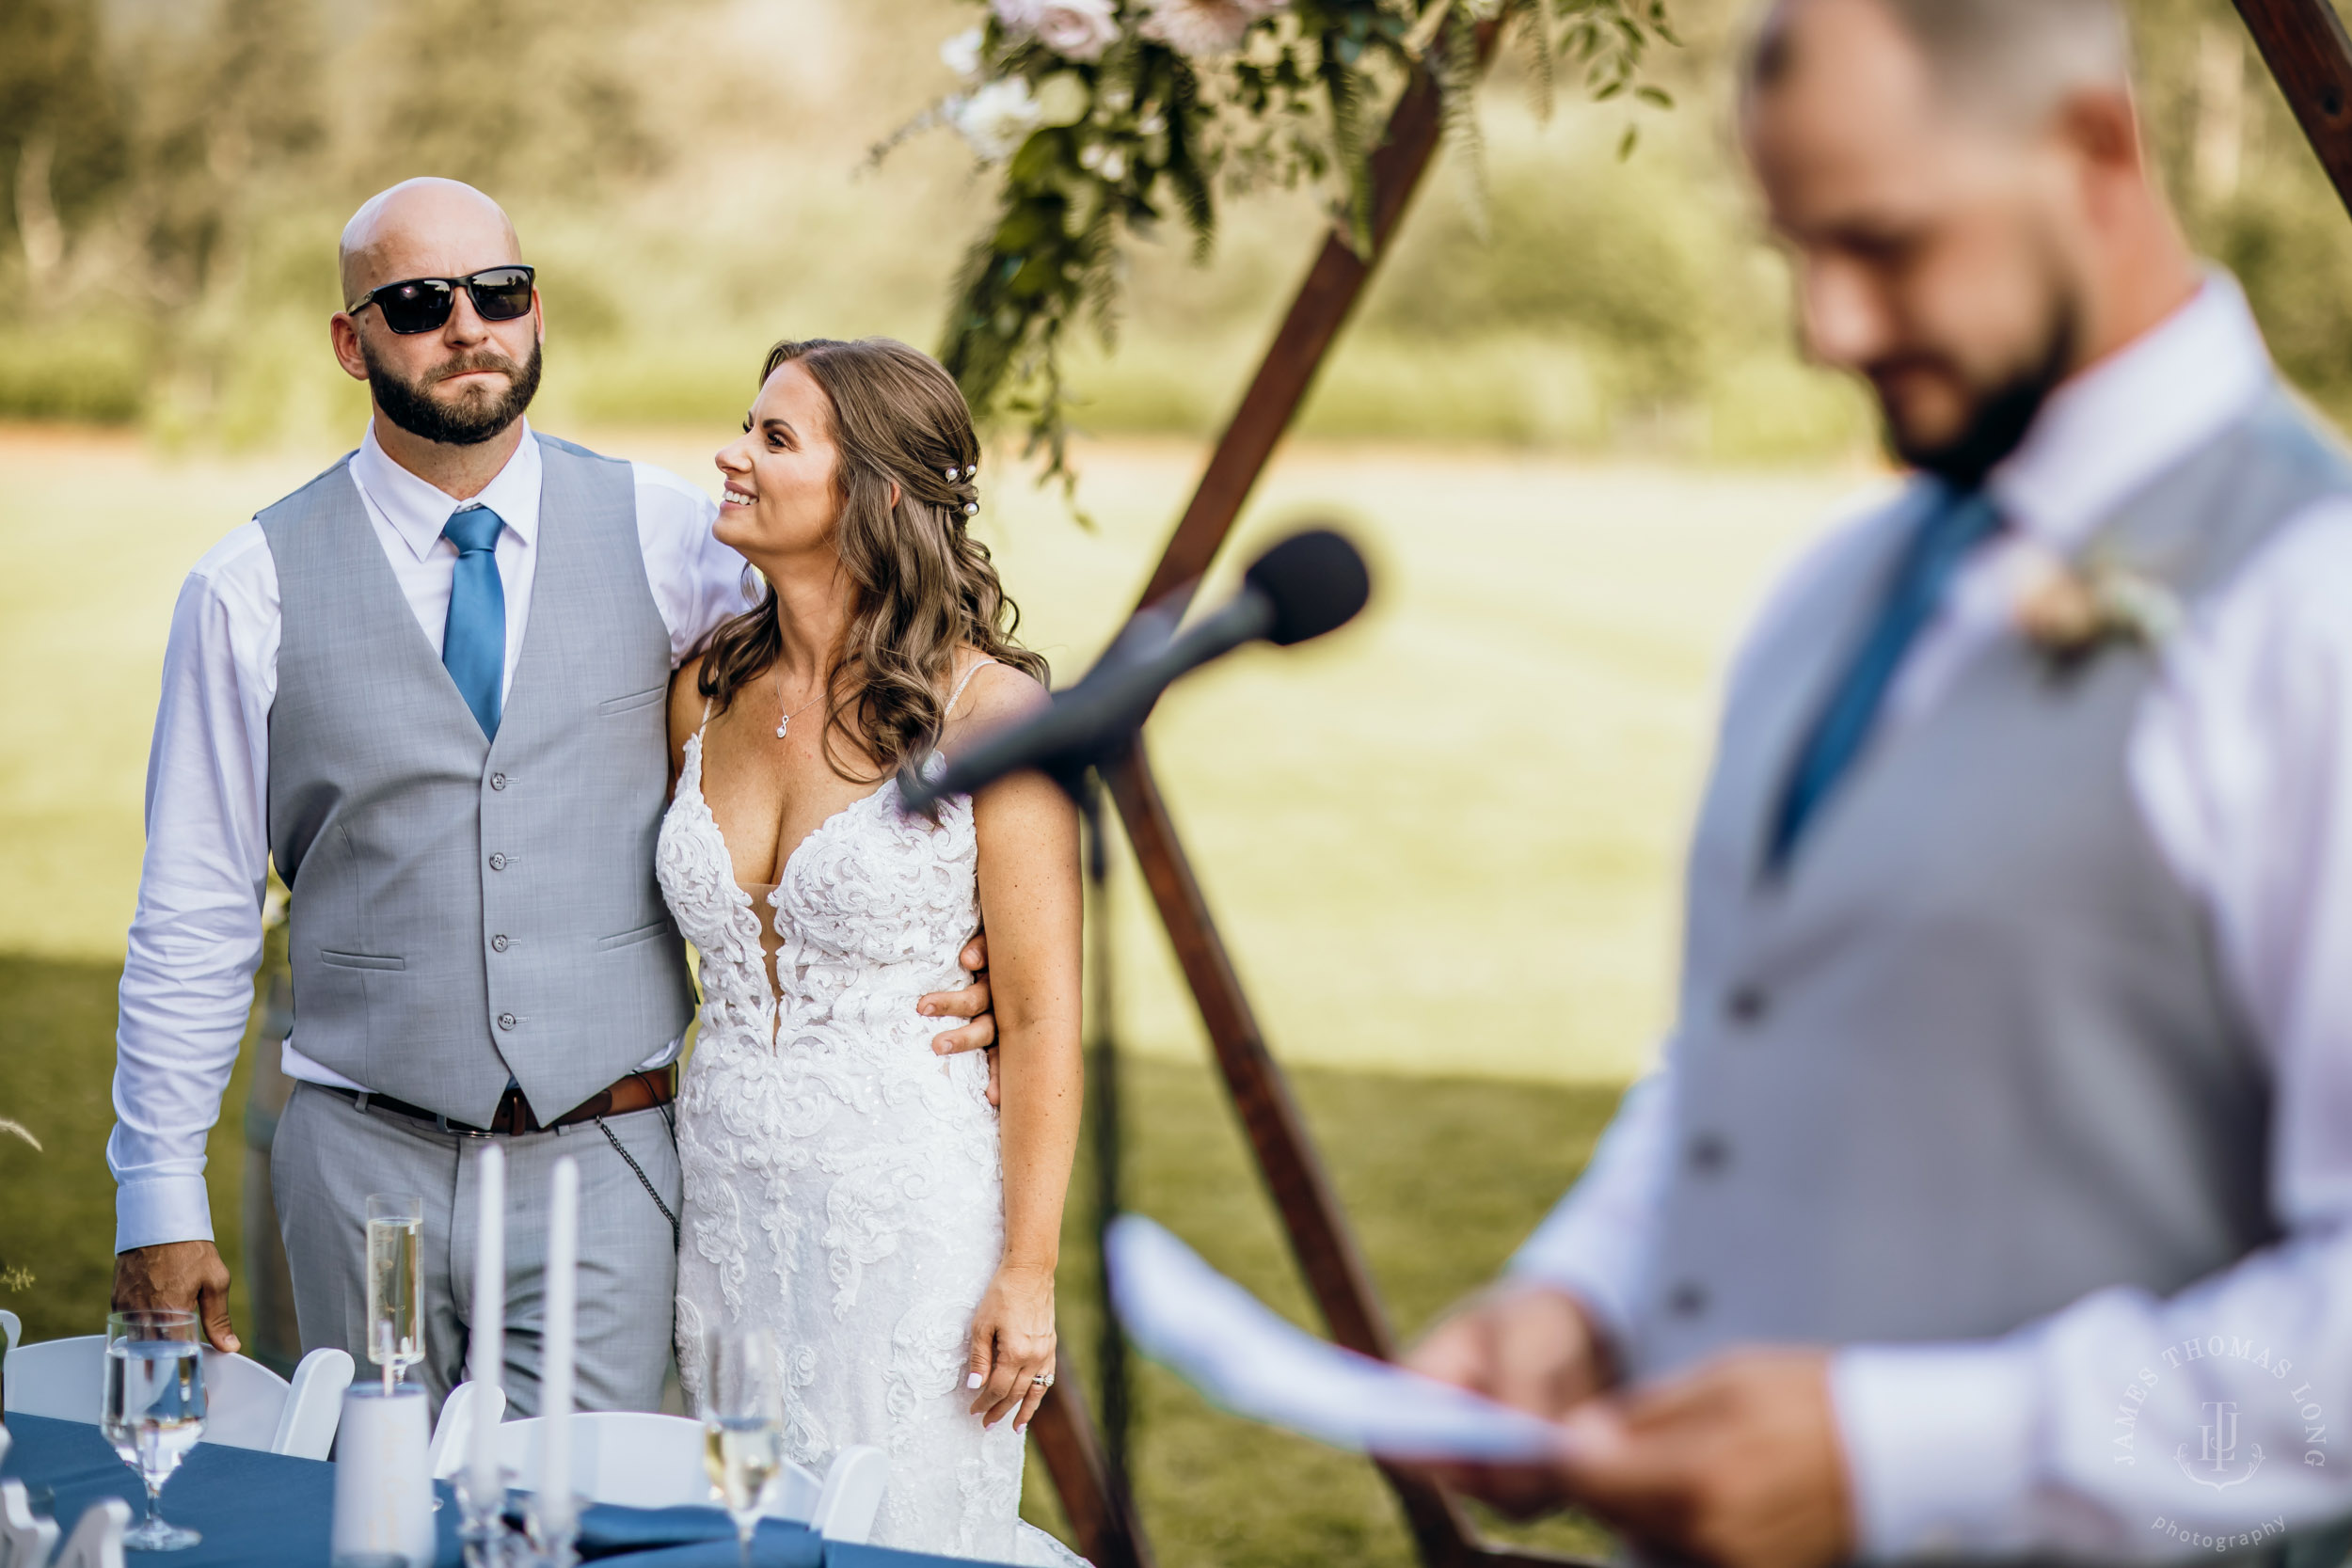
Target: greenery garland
x=1104 y=115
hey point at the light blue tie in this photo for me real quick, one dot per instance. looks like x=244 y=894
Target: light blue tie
x=1960 y=521
x=473 y=640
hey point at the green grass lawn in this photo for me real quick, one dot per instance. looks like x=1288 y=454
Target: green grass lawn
x=1443 y=1177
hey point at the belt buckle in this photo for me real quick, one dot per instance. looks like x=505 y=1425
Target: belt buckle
x=513 y=1114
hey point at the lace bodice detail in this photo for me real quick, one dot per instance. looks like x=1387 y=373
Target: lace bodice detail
x=843 y=1185
x=871 y=902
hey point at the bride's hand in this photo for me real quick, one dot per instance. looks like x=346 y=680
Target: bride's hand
x=1013 y=1345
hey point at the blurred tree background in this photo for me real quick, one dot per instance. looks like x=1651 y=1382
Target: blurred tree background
x=687 y=174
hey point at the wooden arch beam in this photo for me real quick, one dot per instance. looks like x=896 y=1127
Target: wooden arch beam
x=1320 y=1238
x=2304 y=44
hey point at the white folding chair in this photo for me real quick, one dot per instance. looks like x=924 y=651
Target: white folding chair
x=644 y=1460
x=247 y=1405
x=96 y=1540
x=852 y=1494
x=25 y=1541
x=468 y=1404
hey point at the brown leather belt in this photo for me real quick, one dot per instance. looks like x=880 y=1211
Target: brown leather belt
x=639 y=1091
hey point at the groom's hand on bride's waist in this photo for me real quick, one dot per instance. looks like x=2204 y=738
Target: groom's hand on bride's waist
x=187 y=1275
x=971 y=1002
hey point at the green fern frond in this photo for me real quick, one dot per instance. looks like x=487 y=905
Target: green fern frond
x=1457 y=75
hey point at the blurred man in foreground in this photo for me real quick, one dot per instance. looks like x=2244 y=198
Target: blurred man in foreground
x=1992 y=1198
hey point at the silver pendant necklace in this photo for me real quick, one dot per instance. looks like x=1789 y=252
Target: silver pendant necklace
x=784 y=723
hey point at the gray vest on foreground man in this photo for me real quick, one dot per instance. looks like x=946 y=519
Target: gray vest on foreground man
x=468 y=910
x=1971 y=1058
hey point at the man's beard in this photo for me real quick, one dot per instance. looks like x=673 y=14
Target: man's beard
x=2001 y=414
x=469 y=422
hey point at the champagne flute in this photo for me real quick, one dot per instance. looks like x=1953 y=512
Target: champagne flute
x=395 y=1283
x=152 y=1409
x=743 y=1426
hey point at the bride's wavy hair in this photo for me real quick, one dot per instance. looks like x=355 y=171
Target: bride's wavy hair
x=924 y=585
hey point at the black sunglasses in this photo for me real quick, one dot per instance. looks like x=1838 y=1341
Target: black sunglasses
x=423 y=304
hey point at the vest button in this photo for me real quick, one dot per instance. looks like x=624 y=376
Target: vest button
x=497 y=781
x=1687 y=1300
x=1747 y=1005
x=506 y=1020
x=1708 y=1153
x=498 y=943
x=498 y=863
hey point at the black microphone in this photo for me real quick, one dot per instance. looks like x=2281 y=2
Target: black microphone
x=1308 y=585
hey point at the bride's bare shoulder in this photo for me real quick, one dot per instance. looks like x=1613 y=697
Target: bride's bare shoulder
x=994 y=693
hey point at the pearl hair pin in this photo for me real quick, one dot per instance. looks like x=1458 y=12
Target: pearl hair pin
x=971 y=509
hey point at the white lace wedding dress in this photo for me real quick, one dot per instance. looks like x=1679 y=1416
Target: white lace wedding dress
x=843 y=1184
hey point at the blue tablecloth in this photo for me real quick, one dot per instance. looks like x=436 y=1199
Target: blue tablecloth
x=254 y=1509
x=265 y=1511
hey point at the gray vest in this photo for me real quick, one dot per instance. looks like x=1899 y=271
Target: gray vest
x=465 y=909
x=1971 y=1059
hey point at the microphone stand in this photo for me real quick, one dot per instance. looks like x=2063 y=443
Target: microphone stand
x=1103 y=1085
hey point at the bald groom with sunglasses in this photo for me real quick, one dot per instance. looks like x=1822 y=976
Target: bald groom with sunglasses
x=429 y=686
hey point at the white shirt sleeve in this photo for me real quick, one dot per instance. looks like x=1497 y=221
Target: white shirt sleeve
x=187 y=977
x=1595 y=1244
x=698 y=583
x=2064 y=1435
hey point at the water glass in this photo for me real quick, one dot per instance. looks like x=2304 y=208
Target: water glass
x=744 y=1424
x=395 y=1283
x=152 y=1409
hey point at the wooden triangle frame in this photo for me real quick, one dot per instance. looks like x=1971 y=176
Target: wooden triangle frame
x=2305 y=47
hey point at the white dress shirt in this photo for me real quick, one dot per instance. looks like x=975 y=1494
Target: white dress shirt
x=2241 y=762
x=188 y=980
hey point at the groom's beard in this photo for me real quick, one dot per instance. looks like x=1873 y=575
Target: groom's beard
x=476 y=416
x=2003 y=410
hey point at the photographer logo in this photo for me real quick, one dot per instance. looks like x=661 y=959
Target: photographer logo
x=2252 y=1412
x=2217 y=1465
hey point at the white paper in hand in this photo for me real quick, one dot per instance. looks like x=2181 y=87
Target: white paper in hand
x=1249 y=1359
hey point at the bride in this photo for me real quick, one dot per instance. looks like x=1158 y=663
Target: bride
x=845 y=1186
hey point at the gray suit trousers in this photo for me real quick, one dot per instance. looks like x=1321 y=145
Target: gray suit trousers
x=329 y=1155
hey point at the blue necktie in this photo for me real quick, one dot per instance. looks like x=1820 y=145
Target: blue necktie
x=1960 y=521
x=473 y=640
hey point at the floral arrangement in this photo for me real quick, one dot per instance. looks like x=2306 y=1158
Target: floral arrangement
x=2069 y=610
x=1105 y=116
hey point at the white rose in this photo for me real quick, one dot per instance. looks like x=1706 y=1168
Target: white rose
x=962 y=54
x=997 y=117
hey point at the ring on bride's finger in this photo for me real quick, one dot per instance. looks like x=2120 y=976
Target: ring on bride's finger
x=1042 y=1380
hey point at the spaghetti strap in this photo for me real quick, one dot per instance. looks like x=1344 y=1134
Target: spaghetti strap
x=957 y=695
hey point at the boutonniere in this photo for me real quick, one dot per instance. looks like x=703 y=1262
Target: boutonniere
x=2071 y=608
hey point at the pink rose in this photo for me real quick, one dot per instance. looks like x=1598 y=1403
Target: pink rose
x=1204 y=27
x=1075 y=29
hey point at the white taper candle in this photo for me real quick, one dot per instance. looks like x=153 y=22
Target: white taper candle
x=486 y=1354
x=555 y=1371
